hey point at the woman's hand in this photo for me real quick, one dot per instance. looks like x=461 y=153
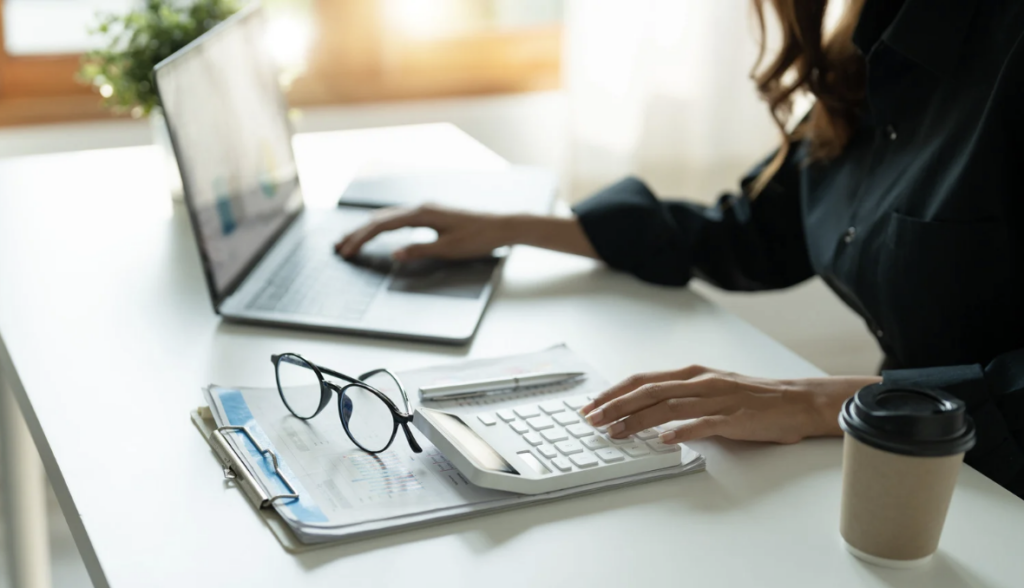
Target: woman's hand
x=726 y=404
x=460 y=235
x=469 y=235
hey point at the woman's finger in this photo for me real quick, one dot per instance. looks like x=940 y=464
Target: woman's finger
x=698 y=428
x=632 y=402
x=673 y=409
x=387 y=221
x=390 y=220
x=637 y=380
x=651 y=394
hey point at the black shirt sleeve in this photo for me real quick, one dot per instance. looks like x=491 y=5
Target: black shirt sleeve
x=994 y=395
x=738 y=244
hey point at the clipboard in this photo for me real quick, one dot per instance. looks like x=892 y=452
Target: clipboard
x=238 y=466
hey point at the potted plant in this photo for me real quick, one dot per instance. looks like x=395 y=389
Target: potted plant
x=122 y=70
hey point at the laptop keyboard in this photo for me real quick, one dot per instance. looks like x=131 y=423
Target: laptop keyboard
x=315 y=283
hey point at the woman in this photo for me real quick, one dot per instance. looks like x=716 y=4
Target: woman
x=900 y=189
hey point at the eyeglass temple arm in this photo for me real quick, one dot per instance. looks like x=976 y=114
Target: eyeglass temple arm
x=401 y=388
x=338 y=375
x=302 y=363
x=409 y=437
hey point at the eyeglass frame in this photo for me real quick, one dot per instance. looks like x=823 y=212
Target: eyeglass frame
x=399 y=418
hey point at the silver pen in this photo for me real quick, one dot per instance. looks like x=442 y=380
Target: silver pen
x=484 y=387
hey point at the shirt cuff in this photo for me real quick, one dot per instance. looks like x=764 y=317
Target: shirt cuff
x=604 y=214
x=631 y=230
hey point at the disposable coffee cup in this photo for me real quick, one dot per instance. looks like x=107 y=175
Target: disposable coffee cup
x=902 y=452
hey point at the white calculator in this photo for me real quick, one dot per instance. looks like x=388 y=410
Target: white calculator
x=535 y=448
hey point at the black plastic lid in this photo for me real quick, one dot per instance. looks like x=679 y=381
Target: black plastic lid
x=908 y=420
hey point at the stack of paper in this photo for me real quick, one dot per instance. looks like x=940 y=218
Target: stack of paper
x=345 y=493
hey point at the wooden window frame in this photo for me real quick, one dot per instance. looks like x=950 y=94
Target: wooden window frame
x=38 y=89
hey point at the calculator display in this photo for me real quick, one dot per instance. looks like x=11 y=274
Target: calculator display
x=470 y=443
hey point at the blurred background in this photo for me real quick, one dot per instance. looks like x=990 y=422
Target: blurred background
x=595 y=89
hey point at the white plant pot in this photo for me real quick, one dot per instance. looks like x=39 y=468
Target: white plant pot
x=169 y=164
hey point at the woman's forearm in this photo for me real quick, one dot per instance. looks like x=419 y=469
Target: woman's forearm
x=558 y=234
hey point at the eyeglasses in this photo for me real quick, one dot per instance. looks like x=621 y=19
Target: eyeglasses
x=369 y=416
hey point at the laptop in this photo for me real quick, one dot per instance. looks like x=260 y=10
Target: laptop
x=268 y=259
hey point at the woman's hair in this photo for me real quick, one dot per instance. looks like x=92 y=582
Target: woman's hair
x=831 y=68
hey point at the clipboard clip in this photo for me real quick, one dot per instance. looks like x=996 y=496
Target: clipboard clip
x=237 y=469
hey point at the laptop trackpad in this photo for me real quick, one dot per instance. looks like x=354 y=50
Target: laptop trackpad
x=460 y=279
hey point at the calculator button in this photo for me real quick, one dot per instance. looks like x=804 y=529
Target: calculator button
x=552 y=407
x=636 y=449
x=579 y=430
x=594 y=442
x=555 y=435
x=487 y=419
x=610 y=455
x=661 y=447
x=647 y=434
x=567 y=418
x=527 y=411
x=569 y=447
x=584 y=460
x=519 y=427
x=576 y=403
x=547 y=451
x=562 y=464
x=506 y=415
x=533 y=439
x=540 y=423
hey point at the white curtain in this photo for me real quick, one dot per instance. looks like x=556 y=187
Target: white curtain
x=661 y=89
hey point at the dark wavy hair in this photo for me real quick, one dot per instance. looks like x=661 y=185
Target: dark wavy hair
x=831 y=68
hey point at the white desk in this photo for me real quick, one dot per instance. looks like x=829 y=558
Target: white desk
x=108 y=335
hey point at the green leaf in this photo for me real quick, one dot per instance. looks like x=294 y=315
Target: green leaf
x=135 y=42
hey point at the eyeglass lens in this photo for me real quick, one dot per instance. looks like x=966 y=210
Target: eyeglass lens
x=299 y=386
x=367 y=418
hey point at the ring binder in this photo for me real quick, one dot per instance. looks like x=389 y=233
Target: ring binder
x=237 y=469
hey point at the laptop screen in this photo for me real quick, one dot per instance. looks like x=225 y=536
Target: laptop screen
x=227 y=120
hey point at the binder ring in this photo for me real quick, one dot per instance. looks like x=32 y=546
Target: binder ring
x=264 y=499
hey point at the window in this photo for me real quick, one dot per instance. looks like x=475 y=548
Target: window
x=54 y=27
x=39 y=45
x=354 y=51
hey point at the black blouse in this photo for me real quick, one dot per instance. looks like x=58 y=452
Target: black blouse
x=917 y=226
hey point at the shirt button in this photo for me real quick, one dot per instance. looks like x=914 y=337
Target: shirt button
x=850 y=234
x=880 y=333
x=890 y=131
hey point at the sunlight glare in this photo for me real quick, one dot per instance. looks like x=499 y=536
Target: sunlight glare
x=288 y=39
x=421 y=18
